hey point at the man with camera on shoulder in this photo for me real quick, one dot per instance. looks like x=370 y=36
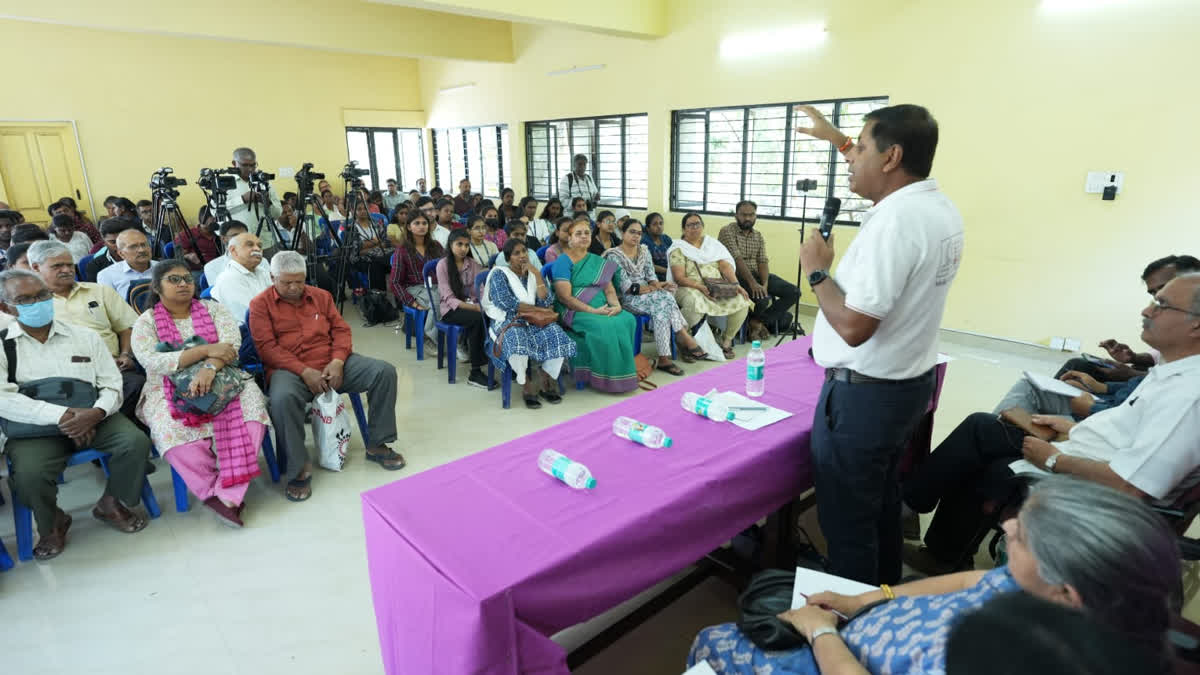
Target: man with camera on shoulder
x=242 y=199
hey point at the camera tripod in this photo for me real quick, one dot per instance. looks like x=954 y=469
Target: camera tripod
x=797 y=330
x=355 y=196
x=306 y=200
x=169 y=221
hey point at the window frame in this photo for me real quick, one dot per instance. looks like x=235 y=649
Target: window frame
x=555 y=172
x=370 y=132
x=451 y=188
x=819 y=195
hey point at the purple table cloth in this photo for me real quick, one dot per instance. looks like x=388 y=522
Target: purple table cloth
x=475 y=563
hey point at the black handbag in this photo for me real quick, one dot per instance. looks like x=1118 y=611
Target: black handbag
x=65 y=391
x=769 y=595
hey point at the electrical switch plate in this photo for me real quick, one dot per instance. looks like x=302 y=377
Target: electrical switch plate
x=1056 y=343
x=286 y=172
x=1071 y=345
x=1098 y=180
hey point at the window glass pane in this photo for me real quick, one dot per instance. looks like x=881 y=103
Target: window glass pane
x=850 y=121
x=637 y=161
x=458 y=166
x=412 y=154
x=356 y=144
x=725 y=148
x=765 y=158
x=385 y=157
x=609 y=158
x=442 y=151
x=689 y=161
x=809 y=160
x=537 y=148
x=505 y=158
x=490 y=186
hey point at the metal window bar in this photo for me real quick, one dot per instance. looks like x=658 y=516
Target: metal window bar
x=617 y=147
x=444 y=162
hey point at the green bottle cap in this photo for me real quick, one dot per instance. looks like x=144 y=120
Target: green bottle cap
x=756 y=344
x=591 y=483
x=667 y=442
x=729 y=416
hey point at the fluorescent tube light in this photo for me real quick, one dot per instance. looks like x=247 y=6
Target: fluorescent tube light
x=773 y=41
x=576 y=69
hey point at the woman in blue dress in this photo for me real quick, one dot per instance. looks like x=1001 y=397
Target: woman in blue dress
x=1074 y=543
x=516 y=342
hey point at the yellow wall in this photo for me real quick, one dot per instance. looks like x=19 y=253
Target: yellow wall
x=646 y=18
x=143 y=101
x=1027 y=103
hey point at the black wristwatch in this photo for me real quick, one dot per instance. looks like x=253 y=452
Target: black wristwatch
x=817 y=276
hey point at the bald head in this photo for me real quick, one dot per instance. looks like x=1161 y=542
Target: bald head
x=134 y=248
x=246 y=250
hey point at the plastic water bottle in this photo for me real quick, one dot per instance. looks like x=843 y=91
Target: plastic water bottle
x=756 y=360
x=651 y=437
x=556 y=464
x=706 y=407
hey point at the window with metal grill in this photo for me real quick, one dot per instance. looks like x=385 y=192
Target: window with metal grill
x=479 y=154
x=721 y=156
x=617 y=148
x=388 y=153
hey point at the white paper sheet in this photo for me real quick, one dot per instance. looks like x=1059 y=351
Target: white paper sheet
x=750 y=420
x=811 y=582
x=1025 y=466
x=1051 y=385
x=701 y=668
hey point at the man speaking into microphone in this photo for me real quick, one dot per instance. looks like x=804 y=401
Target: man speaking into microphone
x=876 y=332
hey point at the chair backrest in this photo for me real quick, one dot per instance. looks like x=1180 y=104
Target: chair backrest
x=546 y=272
x=139 y=295
x=248 y=354
x=206 y=294
x=480 y=280
x=169 y=249
x=492 y=260
x=428 y=272
x=202 y=282
x=541 y=253
x=81 y=268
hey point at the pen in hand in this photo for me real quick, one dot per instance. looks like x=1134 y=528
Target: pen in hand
x=836 y=613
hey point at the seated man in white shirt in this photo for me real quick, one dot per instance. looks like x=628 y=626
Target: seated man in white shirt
x=38 y=347
x=134 y=249
x=1149 y=446
x=214 y=267
x=244 y=277
x=62 y=230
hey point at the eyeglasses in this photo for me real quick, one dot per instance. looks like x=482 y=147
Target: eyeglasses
x=40 y=297
x=693 y=226
x=1159 y=305
x=138 y=247
x=179 y=279
x=634 y=232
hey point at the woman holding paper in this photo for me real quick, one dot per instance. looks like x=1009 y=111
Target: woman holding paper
x=1074 y=543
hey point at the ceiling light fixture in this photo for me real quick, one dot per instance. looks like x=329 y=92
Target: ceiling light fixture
x=773 y=41
x=577 y=69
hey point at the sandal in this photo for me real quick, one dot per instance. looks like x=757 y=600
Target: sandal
x=51 y=545
x=670 y=368
x=693 y=355
x=225 y=514
x=729 y=353
x=123 y=520
x=389 y=459
x=302 y=490
x=532 y=402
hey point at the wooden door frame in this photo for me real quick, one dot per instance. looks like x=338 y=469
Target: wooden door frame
x=87 y=185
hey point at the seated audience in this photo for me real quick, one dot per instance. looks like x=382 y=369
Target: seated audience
x=537 y=228
x=414 y=196
x=110 y=229
x=244 y=277
x=213 y=268
x=46 y=347
x=66 y=207
x=336 y=200
x=579 y=209
x=399 y=220
x=393 y=197
x=330 y=204
x=27 y=233
x=110 y=208
x=306 y=347
x=198 y=244
x=1150 y=450
x=463 y=203
x=18 y=256
x=135 y=263
x=518 y=228
x=62 y=230
x=1094 y=396
x=561 y=238
x=642 y=293
x=482 y=249
x=1125 y=364
x=551 y=213
x=658 y=243
x=591 y=312
x=517 y=342
x=415 y=250
x=446 y=219
x=216 y=455
x=495 y=226
x=773 y=297
x=375 y=202
x=91 y=306
x=605 y=235
x=1073 y=543
x=436 y=193
x=456 y=273
x=8 y=221
x=374 y=260
x=693 y=259
x=145 y=213
x=508 y=210
x=125 y=208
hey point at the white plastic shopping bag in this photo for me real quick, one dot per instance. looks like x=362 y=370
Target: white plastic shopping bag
x=331 y=430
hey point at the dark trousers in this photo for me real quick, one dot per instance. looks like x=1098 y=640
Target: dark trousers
x=36 y=463
x=131 y=390
x=289 y=399
x=781 y=298
x=968 y=470
x=472 y=323
x=859 y=433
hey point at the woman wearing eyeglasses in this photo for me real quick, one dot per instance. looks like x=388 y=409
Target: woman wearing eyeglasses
x=216 y=455
x=693 y=259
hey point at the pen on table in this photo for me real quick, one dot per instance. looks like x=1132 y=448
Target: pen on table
x=836 y=613
x=747 y=407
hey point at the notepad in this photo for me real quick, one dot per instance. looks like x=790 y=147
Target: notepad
x=701 y=668
x=750 y=420
x=810 y=582
x=1051 y=385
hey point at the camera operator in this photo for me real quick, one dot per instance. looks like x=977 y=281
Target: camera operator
x=579 y=183
x=242 y=200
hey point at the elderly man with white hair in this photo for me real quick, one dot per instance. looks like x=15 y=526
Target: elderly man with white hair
x=244 y=277
x=248 y=206
x=307 y=349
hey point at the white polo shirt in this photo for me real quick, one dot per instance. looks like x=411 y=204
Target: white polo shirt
x=898 y=270
x=237 y=286
x=1152 y=440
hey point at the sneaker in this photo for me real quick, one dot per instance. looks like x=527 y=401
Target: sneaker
x=478 y=379
x=463 y=355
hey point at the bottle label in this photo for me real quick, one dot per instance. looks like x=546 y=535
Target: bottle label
x=702 y=406
x=559 y=468
x=754 y=372
x=635 y=432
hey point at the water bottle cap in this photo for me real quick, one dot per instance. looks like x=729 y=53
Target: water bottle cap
x=729 y=416
x=667 y=441
x=756 y=344
x=591 y=483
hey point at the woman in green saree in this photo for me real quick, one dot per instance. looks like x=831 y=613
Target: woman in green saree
x=591 y=313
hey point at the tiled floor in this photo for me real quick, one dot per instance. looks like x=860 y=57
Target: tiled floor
x=289 y=593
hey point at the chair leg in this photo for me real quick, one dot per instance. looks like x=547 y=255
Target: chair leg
x=419 y=331
x=506 y=380
x=638 y=329
x=268 y=449
x=23 y=522
x=408 y=328
x=452 y=352
x=674 y=348
x=150 y=500
x=181 y=492
x=441 y=348
x=6 y=561
x=356 y=403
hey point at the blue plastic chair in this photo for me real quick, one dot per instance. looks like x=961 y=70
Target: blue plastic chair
x=169 y=249
x=6 y=561
x=448 y=333
x=206 y=294
x=506 y=377
x=23 y=517
x=81 y=267
x=541 y=253
x=639 y=329
x=202 y=283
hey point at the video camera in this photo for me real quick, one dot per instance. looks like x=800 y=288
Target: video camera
x=351 y=172
x=217 y=180
x=305 y=178
x=261 y=177
x=163 y=180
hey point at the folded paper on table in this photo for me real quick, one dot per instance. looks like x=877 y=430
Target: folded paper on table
x=701 y=668
x=1025 y=466
x=750 y=420
x=1051 y=385
x=811 y=582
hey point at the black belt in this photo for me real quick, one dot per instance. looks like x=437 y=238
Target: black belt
x=855 y=377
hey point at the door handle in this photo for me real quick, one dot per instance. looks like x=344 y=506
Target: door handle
x=77 y=195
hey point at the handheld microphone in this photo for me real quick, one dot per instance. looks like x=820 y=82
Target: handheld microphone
x=828 y=215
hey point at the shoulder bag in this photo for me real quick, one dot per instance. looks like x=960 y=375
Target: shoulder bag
x=65 y=391
x=718 y=288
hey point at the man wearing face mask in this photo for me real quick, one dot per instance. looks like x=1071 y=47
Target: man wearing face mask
x=244 y=277
x=38 y=347
x=579 y=183
x=749 y=253
x=246 y=205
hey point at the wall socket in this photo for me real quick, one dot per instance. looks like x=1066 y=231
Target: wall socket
x=1098 y=180
x=1056 y=343
x=1071 y=345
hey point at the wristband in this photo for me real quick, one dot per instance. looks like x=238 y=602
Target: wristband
x=823 y=630
x=887 y=591
x=847 y=145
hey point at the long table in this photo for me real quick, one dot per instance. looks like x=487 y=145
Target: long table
x=475 y=563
